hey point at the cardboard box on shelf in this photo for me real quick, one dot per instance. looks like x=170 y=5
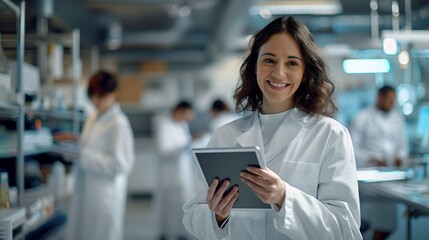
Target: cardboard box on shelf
x=130 y=89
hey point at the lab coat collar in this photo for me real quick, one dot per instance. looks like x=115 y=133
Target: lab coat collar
x=252 y=135
x=288 y=130
x=114 y=110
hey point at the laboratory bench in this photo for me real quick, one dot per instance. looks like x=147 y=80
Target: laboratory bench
x=414 y=194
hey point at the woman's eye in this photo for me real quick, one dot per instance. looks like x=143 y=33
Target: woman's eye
x=292 y=63
x=268 y=60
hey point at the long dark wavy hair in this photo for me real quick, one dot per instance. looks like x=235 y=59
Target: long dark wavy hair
x=314 y=95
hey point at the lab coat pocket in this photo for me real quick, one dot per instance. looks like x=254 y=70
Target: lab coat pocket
x=301 y=175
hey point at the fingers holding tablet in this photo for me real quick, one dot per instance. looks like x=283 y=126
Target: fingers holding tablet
x=224 y=165
x=221 y=197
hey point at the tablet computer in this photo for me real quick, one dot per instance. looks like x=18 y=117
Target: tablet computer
x=227 y=163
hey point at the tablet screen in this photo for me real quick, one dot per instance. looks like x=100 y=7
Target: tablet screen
x=227 y=163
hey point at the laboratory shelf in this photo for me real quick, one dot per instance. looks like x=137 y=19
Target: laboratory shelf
x=62 y=115
x=51 y=218
x=9 y=109
x=69 y=152
x=45 y=213
x=8 y=6
x=9 y=153
x=9 y=114
x=47 y=226
x=9 y=105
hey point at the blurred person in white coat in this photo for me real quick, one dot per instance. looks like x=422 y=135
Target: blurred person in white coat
x=380 y=140
x=379 y=134
x=174 y=179
x=310 y=179
x=220 y=114
x=101 y=174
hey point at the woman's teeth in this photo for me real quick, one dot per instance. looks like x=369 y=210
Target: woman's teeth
x=278 y=84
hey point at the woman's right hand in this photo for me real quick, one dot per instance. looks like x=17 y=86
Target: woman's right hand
x=219 y=204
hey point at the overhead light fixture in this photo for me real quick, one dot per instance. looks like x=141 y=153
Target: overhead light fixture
x=366 y=66
x=404 y=58
x=390 y=46
x=265 y=13
x=311 y=7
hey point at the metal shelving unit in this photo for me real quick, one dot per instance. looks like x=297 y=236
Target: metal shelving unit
x=69 y=40
x=15 y=109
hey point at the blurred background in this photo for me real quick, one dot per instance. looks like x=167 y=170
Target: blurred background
x=164 y=51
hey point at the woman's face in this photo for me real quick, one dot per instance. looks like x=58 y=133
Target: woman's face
x=103 y=103
x=279 y=72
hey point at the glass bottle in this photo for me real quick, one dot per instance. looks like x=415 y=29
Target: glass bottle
x=4 y=190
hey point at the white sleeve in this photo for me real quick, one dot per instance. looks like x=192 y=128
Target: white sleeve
x=120 y=157
x=335 y=213
x=198 y=219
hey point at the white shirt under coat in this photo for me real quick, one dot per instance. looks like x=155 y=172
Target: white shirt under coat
x=314 y=156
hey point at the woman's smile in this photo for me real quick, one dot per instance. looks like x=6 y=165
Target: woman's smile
x=278 y=85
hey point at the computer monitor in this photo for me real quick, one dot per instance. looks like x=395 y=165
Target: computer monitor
x=422 y=129
x=422 y=126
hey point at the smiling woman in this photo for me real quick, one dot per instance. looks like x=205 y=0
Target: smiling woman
x=310 y=174
x=286 y=53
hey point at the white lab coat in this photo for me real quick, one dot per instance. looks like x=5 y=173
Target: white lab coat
x=314 y=157
x=174 y=178
x=106 y=159
x=378 y=135
x=382 y=136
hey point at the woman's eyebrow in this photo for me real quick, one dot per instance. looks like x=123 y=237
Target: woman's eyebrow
x=295 y=58
x=273 y=55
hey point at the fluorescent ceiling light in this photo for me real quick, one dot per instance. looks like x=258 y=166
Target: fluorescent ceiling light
x=366 y=66
x=315 y=7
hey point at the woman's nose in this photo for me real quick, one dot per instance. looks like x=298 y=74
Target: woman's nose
x=279 y=71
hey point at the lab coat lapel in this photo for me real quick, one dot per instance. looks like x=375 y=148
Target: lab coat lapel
x=252 y=135
x=94 y=123
x=287 y=131
x=109 y=113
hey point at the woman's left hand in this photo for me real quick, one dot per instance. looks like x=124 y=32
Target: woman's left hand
x=267 y=185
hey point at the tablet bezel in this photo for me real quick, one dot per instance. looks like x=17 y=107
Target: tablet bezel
x=254 y=150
